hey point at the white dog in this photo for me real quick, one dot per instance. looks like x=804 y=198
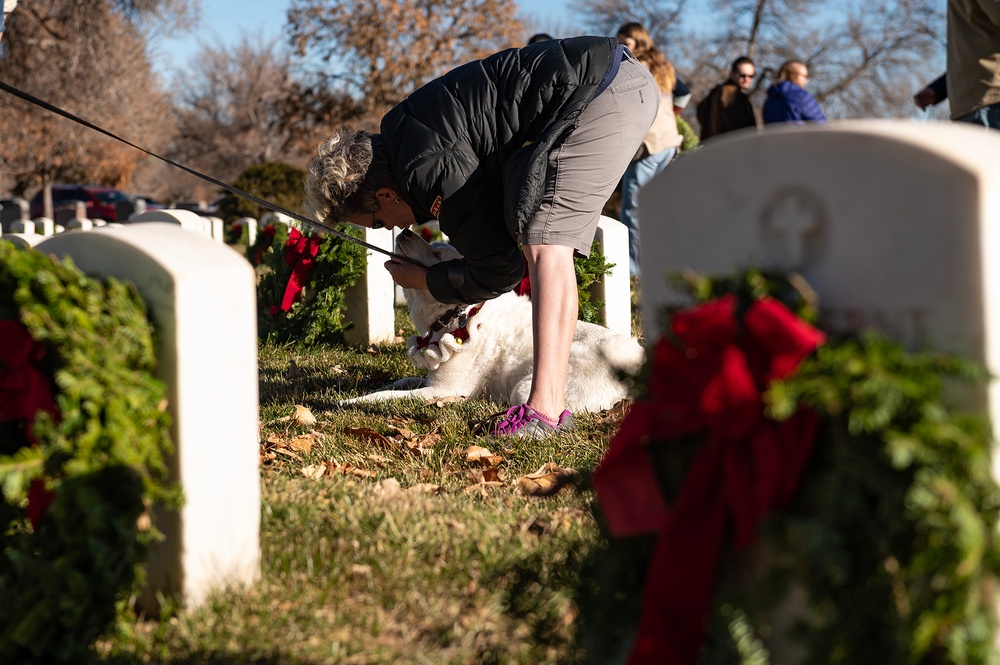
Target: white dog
x=485 y=350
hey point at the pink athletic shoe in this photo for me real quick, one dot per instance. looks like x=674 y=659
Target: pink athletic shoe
x=526 y=422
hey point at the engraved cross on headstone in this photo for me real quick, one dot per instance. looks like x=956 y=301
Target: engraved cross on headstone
x=789 y=218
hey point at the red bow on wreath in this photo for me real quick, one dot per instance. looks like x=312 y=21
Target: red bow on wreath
x=708 y=382
x=24 y=391
x=300 y=251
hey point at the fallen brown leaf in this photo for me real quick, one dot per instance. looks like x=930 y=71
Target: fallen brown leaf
x=368 y=434
x=314 y=471
x=350 y=470
x=481 y=456
x=293 y=371
x=286 y=451
x=616 y=413
x=303 y=416
x=475 y=452
x=547 y=481
x=444 y=401
x=303 y=444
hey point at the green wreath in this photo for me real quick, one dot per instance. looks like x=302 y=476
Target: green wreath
x=92 y=461
x=891 y=537
x=325 y=265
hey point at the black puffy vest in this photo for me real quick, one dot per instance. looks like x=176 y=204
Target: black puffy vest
x=471 y=149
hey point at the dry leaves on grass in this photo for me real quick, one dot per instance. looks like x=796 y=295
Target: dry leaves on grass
x=482 y=457
x=331 y=468
x=616 y=414
x=275 y=446
x=445 y=401
x=485 y=474
x=301 y=416
x=547 y=481
x=400 y=437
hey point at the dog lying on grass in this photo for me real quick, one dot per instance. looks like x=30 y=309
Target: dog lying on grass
x=485 y=350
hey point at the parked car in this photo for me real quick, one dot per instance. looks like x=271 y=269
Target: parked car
x=101 y=202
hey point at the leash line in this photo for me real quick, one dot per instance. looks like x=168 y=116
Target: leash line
x=229 y=188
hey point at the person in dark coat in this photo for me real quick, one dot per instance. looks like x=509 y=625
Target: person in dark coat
x=727 y=106
x=515 y=155
x=788 y=101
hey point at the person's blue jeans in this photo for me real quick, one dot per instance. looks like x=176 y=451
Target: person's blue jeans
x=988 y=116
x=636 y=176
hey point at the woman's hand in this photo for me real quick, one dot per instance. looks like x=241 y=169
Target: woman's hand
x=407 y=275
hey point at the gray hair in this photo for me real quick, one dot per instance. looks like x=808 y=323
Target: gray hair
x=347 y=170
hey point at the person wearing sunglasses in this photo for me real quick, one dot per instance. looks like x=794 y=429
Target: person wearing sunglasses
x=515 y=155
x=727 y=107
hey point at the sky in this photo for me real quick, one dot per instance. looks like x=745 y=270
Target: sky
x=228 y=20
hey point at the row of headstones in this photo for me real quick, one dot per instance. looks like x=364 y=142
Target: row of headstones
x=895 y=226
x=371 y=303
x=15 y=216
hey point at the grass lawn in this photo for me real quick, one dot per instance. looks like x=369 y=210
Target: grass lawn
x=386 y=539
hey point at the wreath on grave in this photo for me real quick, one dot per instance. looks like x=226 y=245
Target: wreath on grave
x=767 y=461
x=300 y=293
x=83 y=439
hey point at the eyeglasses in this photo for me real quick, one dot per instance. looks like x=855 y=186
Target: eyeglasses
x=745 y=76
x=375 y=224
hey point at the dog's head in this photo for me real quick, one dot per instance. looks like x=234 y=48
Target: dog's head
x=424 y=309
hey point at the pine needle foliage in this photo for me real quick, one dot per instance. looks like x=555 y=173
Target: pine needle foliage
x=891 y=542
x=103 y=457
x=588 y=272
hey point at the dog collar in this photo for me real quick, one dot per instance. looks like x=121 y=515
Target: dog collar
x=461 y=333
x=445 y=319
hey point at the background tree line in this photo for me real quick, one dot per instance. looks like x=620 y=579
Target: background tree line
x=348 y=61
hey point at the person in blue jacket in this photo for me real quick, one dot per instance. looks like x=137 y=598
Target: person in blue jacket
x=788 y=101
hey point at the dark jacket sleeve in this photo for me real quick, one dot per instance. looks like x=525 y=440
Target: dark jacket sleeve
x=471 y=215
x=939 y=87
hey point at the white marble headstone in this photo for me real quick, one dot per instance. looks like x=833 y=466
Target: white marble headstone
x=369 y=303
x=45 y=226
x=80 y=224
x=202 y=299
x=187 y=220
x=896 y=226
x=614 y=288
x=251 y=226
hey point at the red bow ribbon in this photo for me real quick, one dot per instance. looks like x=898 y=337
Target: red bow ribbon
x=710 y=383
x=24 y=391
x=300 y=251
